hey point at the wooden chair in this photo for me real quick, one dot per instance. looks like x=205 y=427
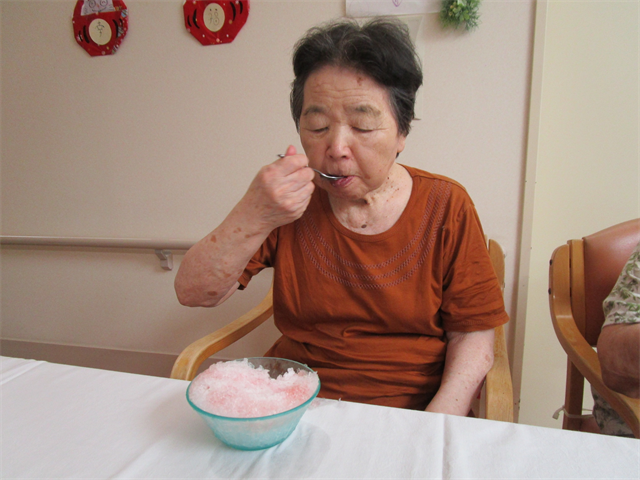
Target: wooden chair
x=497 y=395
x=582 y=273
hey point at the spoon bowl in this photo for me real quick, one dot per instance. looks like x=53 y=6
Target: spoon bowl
x=326 y=176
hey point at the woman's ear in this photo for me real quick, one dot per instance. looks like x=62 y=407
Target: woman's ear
x=401 y=143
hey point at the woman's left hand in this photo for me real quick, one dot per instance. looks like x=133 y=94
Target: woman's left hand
x=468 y=360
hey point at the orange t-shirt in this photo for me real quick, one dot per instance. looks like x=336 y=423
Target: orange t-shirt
x=369 y=312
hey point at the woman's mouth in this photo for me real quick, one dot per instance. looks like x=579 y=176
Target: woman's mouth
x=341 y=181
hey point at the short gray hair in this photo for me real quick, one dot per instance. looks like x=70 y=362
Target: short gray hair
x=380 y=49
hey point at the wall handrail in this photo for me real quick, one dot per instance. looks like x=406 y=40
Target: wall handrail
x=161 y=247
x=97 y=242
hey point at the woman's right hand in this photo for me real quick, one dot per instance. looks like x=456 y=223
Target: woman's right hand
x=281 y=191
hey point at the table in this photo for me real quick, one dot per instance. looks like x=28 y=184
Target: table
x=61 y=421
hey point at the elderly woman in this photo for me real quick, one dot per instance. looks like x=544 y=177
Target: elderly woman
x=382 y=281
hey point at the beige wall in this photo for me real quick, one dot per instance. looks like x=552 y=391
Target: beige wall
x=587 y=172
x=161 y=139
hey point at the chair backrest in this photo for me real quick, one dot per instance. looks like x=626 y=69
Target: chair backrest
x=596 y=265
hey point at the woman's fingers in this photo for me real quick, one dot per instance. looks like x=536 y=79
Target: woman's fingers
x=281 y=191
x=290 y=163
x=291 y=150
x=292 y=183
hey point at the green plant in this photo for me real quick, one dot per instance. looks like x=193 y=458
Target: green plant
x=454 y=13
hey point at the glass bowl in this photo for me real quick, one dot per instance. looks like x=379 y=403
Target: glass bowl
x=256 y=433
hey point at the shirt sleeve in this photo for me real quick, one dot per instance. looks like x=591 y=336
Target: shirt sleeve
x=623 y=303
x=472 y=298
x=262 y=259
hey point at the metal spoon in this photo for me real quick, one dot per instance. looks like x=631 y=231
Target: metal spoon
x=326 y=176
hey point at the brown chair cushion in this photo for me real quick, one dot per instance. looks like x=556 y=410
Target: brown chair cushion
x=605 y=254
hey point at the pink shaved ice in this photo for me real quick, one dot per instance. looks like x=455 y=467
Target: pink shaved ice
x=238 y=389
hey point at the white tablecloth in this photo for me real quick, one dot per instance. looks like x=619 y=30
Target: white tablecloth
x=61 y=421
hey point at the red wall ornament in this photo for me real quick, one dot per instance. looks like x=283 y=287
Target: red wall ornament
x=213 y=22
x=99 y=26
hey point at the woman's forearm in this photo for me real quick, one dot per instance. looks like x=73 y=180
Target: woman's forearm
x=619 y=355
x=211 y=268
x=469 y=357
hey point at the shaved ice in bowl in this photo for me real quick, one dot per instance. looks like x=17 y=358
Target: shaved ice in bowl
x=253 y=403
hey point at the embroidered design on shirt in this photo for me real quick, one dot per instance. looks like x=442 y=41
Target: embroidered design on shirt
x=334 y=265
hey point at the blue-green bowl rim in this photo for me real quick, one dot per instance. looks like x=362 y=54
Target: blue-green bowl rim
x=253 y=419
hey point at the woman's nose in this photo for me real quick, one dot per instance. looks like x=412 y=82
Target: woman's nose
x=339 y=143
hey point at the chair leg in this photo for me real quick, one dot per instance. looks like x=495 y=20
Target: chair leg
x=573 y=398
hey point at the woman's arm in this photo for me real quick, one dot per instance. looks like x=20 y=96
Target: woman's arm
x=619 y=354
x=278 y=195
x=619 y=340
x=469 y=357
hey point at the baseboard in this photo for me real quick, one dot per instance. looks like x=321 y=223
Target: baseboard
x=155 y=364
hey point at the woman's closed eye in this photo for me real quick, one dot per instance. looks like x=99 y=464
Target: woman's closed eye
x=315 y=127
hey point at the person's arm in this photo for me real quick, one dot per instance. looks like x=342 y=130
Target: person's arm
x=468 y=360
x=278 y=195
x=619 y=354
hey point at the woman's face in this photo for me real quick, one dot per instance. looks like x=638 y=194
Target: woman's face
x=347 y=127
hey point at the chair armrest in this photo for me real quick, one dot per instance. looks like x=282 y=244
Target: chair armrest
x=188 y=362
x=498 y=386
x=586 y=361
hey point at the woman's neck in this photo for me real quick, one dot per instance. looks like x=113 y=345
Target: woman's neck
x=378 y=211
